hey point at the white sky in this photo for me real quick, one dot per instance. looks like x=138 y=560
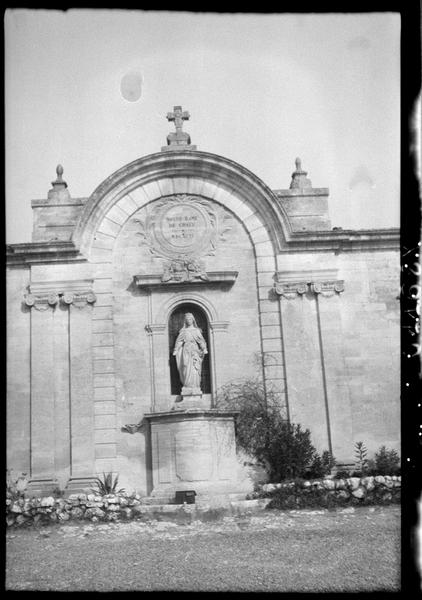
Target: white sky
x=261 y=90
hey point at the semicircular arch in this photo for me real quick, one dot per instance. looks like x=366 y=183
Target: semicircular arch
x=196 y=173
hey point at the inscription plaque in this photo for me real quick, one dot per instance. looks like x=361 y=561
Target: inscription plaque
x=193 y=454
x=183 y=228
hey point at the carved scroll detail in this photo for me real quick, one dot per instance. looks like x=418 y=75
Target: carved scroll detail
x=50 y=299
x=327 y=288
x=291 y=290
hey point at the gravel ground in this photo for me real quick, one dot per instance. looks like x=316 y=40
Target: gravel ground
x=303 y=551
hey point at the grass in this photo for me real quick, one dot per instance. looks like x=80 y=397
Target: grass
x=303 y=551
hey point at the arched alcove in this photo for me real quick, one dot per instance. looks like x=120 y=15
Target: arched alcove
x=175 y=323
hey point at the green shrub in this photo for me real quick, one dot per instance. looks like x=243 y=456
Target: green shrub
x=342 y=474
x=107 y=485
x=387 y=462
x=321 y=465
x=284 y=449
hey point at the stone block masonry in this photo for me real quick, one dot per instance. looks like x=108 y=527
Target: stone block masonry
x=94 y=300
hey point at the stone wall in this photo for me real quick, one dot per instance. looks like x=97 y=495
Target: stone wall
x=381 y=489
x=119 y=507
x=79 y=369
x=346 y=343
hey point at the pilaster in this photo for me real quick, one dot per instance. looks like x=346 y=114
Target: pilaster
x=218 y=330
x=328 y=305
x=81 y=384
x=42 y=429
x=61 y=385
x=159 y=364
x=311 y=322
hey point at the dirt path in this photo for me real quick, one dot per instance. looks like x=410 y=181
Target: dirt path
x=272 y=551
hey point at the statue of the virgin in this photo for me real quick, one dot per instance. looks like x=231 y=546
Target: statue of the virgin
x=189 y=350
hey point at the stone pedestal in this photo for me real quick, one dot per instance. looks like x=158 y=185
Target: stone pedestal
x=194 y=449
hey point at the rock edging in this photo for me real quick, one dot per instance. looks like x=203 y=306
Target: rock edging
x=94 y=508
x=380 y=489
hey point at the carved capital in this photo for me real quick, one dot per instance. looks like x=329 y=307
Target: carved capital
x=78 y=299
x=291 y=290
x=41 y=301
x=219 y=325
x=327 y=288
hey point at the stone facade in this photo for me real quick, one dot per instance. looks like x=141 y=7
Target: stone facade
x=312 y=310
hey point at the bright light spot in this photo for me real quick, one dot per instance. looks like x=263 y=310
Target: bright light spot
x=131 y=86
x=407 y=384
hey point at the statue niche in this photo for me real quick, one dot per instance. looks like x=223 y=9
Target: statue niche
x=189 y=351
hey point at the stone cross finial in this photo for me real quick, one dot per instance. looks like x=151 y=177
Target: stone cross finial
x=178 y=116
x=179 y=139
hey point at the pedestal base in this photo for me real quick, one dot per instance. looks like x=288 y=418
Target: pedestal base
x=194 y=449
x=41 y=487
x=80 y=485
x=192 y=401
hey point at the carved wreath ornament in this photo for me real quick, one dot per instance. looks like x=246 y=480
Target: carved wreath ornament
x=182 y=229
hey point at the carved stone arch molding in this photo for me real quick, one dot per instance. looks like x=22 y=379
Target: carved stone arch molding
x=196 y=173
x=167 y=307
x=208 y=176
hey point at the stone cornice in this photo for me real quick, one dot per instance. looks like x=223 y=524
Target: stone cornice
x=343 y=240
x=309 y=191
x=156 y=280
x=38 y=203
x=42 y=252
x=191 y=414
x=76 y=286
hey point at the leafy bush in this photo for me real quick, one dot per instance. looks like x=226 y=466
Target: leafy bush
x=15 y=486
x=107 y=485
x=284 y=449
x=342 y=474
x=387 y=462
x=321 y=465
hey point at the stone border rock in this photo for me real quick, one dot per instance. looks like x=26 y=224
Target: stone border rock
x=380 y=489
x=83 y=507
x=113 y=507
